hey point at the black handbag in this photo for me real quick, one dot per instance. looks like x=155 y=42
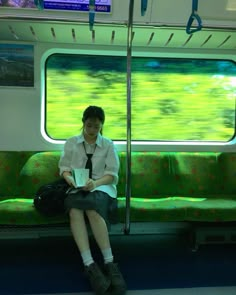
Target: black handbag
x=49 y=198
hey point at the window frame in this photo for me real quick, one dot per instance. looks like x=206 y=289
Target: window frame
x=136 y=144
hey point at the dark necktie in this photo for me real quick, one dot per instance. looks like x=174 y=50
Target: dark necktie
x=89 y=164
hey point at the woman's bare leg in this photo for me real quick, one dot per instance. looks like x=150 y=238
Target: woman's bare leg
x=99 y=229
x=79 y=229
x=80 y=234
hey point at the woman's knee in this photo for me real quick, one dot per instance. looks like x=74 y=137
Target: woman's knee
x=76 y=214
x=93 y=215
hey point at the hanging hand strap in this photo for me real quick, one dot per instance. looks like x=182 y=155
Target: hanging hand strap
x=144 y=4
x=39 y=4
x=194 y=16
x=91 y=14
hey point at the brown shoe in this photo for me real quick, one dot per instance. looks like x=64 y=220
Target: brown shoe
x=98 y=281
x=118 y=285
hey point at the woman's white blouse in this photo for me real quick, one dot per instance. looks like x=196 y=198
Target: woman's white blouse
x=105 y=159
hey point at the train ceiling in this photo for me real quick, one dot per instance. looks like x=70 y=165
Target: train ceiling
x=153 y=30
x=144 y=36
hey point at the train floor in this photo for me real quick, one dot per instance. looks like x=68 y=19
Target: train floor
x=160 y=264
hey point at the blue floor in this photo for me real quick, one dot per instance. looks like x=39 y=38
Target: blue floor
x=146 y=261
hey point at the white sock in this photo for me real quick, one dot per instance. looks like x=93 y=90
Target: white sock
x=107 y=255
x=87 y=257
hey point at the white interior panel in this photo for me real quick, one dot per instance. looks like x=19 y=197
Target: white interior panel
x=160 y=32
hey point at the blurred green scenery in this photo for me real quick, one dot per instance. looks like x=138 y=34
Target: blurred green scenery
x=172 y=99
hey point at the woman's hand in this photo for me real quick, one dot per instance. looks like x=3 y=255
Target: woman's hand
x=90 y=185
x=67 y=177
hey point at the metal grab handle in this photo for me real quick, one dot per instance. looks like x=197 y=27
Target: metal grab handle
x=194 y=16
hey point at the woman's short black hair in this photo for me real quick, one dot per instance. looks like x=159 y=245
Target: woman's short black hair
x=94 y=112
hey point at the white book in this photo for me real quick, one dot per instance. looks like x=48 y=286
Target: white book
x=79 y=177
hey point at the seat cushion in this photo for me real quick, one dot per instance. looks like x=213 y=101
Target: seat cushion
x=217 y=208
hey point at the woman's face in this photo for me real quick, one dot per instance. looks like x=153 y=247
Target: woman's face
x=91 y=128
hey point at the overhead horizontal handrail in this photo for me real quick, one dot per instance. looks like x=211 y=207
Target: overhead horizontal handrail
x=194 y=17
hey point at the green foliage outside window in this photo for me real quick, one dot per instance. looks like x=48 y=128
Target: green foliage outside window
x=172 y=99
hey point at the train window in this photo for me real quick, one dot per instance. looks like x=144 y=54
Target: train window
x=172 y=99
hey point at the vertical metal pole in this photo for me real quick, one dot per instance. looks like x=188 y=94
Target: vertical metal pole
x=128 y=146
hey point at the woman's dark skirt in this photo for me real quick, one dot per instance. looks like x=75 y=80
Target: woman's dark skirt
x=99 y=201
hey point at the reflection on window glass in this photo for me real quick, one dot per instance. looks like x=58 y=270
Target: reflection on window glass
x=172 y=99
x=18 y=3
